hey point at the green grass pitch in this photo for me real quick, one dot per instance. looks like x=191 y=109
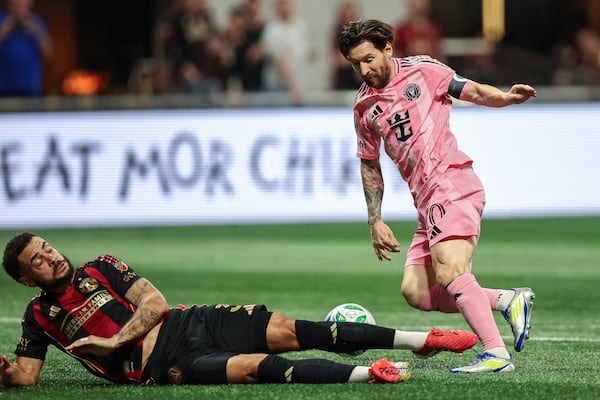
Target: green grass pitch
x=304 y=270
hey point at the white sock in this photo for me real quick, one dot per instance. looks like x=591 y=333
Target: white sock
x=409 y=340
x=359 y=375
x=499 y=352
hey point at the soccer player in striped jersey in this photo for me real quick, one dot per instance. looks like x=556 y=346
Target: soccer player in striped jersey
x=119 y=326
x=406 y=103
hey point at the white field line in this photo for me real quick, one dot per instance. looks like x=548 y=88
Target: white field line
x=7 y=320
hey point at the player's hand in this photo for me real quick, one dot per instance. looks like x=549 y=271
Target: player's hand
x=6 y=369
x=520 y=93
x=383 y=240
x=95 y=345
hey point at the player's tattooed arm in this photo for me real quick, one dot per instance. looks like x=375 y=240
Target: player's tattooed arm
x=151 y=307
x=372 y=180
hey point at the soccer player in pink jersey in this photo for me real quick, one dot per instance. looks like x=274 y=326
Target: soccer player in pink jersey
x=407 y=102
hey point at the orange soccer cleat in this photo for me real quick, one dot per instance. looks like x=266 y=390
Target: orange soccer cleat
x=442 y=340
x=384 y=371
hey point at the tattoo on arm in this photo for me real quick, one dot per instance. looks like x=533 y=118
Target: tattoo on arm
x=151 y=306
x=372 y=179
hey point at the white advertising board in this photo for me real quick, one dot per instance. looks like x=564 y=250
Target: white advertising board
x=238 y=166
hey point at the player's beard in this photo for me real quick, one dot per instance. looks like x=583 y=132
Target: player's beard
x=379 y=81
x=60 y=281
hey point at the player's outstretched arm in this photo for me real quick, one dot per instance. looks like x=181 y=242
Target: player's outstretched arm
x=151 y=307
x=491 y=96
x=382 y=236
x=25 y=371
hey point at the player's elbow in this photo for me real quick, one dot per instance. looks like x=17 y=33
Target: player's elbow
x=22 y=380
x=161 y=304
x=33 y=381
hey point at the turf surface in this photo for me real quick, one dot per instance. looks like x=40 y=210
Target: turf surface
x=304 y=270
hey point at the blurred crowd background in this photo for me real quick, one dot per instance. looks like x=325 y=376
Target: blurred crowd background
x=241 y=49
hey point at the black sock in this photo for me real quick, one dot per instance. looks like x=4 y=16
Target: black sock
x=343 y=337
x=276 y=369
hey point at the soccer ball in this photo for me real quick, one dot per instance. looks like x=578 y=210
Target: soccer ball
x=350 y=312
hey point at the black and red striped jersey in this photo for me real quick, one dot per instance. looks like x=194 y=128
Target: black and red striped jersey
x=95 y=304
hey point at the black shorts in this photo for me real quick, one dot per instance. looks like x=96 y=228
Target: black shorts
x=194 y=343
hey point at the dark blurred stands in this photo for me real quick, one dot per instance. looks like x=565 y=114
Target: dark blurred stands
x=119 y=55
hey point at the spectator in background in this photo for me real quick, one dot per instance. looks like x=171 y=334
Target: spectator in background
x=251 y=53
x=193 y=48
x=24 y=45
x=242 y=35
x=163 y=74
x=580 y=64
x=344 y=76
x=419 y=34
x=285 y=44
x=233 y=36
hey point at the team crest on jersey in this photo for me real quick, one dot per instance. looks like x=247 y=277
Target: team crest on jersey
x=175 y=375
x=120 y=266
x=88 y=285
x=412 y=92
x=127 y=367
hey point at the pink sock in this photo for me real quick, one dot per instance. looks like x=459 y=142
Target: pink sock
x=438 y=299
x=492 y=295
x=474 y=305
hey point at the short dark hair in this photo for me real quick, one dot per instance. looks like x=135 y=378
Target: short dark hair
x=354 y=33
x=12 y=251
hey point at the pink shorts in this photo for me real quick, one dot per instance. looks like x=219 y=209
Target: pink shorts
x=453 y=209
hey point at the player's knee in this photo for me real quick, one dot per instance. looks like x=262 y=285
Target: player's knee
x=282 y=323
x=243 y=368
x=281 y=333
x=411 y=295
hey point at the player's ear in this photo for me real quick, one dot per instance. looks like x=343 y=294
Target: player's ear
x=26 y=281
x=388 y=49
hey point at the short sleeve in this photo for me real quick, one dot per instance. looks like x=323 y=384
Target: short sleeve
x=367 y=142
x=118 y=274
x=439 y=74
x=33 y=342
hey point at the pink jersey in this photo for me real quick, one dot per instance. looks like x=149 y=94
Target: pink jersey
x=411 y=114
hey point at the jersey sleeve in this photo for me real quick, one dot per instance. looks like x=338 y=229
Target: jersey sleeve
x=33 y=342
x=367 y=141
x=447 y=81
x=118 y=274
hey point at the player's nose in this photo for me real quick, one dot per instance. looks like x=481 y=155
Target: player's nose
x=364 y=69
x=53 y=260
